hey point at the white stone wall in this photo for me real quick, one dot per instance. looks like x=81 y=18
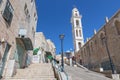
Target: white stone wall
x=52 y=47
x=77 y=29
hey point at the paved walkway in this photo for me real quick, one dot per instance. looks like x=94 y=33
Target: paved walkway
x=77 y=73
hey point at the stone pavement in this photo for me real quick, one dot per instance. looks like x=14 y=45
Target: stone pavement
x=77 y=73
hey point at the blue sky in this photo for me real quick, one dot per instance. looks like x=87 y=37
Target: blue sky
x=54 y=18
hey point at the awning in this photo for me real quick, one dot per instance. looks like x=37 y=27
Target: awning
x=27 y=43
x=49 y=55
x=35 y=51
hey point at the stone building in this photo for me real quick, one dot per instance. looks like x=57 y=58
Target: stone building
x=52 y=47
x=46 y=47
x=18 y=21
x=94 y=53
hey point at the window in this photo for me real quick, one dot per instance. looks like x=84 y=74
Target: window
x=102 y=37
x=0 y=1
x=31 y=1
x=77 y=22
x=80 y=33
x=85 y=52
x=27 y=13
x=25 y=7
x=35 y=16
x=76 y=33
x=8 y=12
x=79 y=44
x=76 y=14
x=117 y=25
x=33 y=32
x=88 y=50
x=95 y=42
x=91 y=47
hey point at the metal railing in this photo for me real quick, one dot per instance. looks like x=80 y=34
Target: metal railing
x=59 y=74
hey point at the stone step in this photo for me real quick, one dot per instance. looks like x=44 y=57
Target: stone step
x=41 y=64
x=25 y=77
x=33 y=72
x=37 y=74
x=39 y=67
x=32 y=79
x=36 y=71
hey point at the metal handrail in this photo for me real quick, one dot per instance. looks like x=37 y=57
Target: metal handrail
x=58 y=71
x=66 y=74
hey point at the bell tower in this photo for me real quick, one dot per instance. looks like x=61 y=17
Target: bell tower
x=77 y=33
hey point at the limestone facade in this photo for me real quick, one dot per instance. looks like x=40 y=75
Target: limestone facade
x=46 y=45
x=18 y=21
x=94 y=53
x=52 y=47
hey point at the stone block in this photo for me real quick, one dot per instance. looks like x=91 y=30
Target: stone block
x=116 y=76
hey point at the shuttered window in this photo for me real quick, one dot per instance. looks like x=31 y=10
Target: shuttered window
x=8 y=13
x=0 y=1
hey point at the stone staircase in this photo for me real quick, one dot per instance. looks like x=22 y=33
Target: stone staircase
x=36 y=71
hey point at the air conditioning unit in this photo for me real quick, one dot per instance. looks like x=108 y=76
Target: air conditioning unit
x=22 y=33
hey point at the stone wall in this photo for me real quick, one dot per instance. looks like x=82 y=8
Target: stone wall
x=94 y=53
x=22 y=17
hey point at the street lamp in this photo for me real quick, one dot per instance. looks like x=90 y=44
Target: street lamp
x=111 y=62
x=106 y=45
x=61 y=36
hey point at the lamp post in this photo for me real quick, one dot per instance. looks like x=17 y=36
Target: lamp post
x=61 y=36
x=111 y=63
x=110 y=59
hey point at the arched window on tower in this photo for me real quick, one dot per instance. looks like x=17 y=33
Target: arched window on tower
x=80 y=33
x=77 y=23
x=117 y=25
x=76 y=14
x=76 y=33
x=79 y=44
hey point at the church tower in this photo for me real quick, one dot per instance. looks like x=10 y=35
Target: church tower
x=77 y=29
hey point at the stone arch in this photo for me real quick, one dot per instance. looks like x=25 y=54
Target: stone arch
x=117 y=25
x=91 y=46
x=101 y=34
x=102 y=37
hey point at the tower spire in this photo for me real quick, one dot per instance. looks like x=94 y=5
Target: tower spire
x=77 y=29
